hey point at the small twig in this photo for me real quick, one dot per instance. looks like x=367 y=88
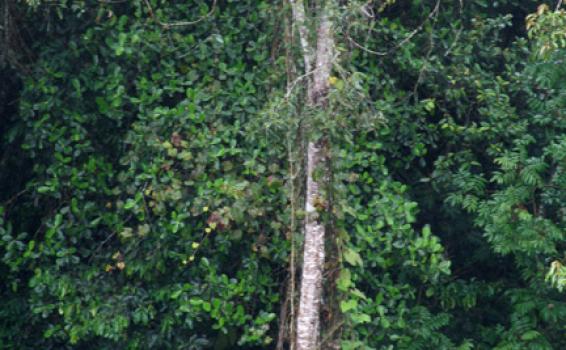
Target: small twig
x=432 y=14
x=101 y=245
x=429 y=52
x=360 y=46
x=168 y=25
x=14 y=197
x=558 y=5
x=367 y=10
x=292 y=86
x=460 y=9
x=112 y=1
x=328 y=335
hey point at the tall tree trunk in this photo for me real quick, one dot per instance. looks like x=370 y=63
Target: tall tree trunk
x=308 y=319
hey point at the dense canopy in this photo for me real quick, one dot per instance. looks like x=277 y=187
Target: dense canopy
x=153 y=166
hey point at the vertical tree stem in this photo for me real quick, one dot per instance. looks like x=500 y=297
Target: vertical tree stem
x=308 y=319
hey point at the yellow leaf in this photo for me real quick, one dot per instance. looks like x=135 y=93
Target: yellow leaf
x=542 y=9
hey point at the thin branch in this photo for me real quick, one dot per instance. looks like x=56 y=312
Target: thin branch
x=292 y=85
x=14 y=197
x=283 y=321
x=429 y=52
x=333 y=330
x=408 y=38
x=168 y=25
x=360 y=46
x=367 y=10
x=112 y=1
x=112 y=234
x=460 y=9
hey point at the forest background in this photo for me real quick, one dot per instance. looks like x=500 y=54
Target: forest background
x=152 y=182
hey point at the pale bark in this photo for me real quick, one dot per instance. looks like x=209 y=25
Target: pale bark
x=308 y=319
x=298 y=8
x=308 y=328
x=324 y=56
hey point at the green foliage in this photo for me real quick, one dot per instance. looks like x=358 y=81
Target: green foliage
x=547 y=29
x=382 y=290
x=153 y=166
x=144 y=188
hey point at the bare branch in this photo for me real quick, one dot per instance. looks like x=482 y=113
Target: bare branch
x=460 y=9
x=168 y=25
x=408 y=38
x=293 y=85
